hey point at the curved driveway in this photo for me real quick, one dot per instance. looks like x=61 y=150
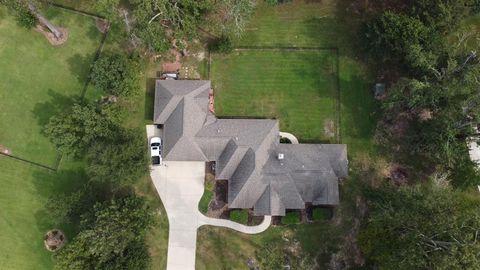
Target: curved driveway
x=180 y=185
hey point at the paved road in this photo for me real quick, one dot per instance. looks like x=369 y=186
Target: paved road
x=180 y=186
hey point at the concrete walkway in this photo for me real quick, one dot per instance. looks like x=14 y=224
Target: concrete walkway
x=180 y=186
x=289 y=136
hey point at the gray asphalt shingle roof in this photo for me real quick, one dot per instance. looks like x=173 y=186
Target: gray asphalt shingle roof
x=246 y=152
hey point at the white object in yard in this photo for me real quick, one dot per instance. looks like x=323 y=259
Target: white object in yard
x=281 y=156
x=170 y=76
x=156 y=150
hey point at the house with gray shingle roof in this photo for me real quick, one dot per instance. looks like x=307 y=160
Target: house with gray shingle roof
x=262 y=174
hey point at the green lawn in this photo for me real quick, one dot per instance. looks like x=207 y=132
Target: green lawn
x=39 y=80
x=297 y=87
x=297 y=23
x=23 y=220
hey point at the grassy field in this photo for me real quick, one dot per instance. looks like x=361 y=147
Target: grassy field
x=297 y=87
x=39 y=80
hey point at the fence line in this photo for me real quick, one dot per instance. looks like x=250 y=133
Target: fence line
x=29 y=162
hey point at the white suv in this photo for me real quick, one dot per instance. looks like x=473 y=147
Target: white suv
x=156 y=150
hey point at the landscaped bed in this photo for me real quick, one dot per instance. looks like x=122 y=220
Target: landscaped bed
x=298 y=87
x=38 y=79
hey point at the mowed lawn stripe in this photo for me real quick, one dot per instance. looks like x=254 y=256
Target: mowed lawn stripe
x=297 y=87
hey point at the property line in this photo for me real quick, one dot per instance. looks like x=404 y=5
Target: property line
x=97 y=55
x=81 y=12
x=338 y=108
x=268 y=48
x=30 y=162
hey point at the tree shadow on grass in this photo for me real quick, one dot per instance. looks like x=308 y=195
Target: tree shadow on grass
x=93 y=33
x=80 y=65
x=57 y=104
x=48 y=184
x=149 y=98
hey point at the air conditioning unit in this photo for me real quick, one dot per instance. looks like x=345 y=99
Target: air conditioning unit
x=280 y=156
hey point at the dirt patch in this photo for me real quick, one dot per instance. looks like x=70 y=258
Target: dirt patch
x=254 y=220
x=4 y=150
x=425 y=115
x=102 y=25
x=176 y=65
x=54 y=240
x=211 y=101
x=50 y=37
x=329 y=128
x=218 y=207
x=397 y=174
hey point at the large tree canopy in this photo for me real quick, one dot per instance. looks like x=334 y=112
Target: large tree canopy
x=396 y=38
x=73 y=131
x=160 y=22
x=422 y=227
x=121 y=159
x=115 y=74
x=450 y=100
x=112 y=237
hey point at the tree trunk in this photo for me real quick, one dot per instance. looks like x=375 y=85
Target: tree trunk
x=45 y=22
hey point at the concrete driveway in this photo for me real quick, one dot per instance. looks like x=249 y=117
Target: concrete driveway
x=180 y=185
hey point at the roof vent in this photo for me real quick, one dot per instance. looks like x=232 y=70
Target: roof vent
x=280 y=156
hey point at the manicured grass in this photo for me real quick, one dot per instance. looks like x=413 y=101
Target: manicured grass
x=23 y=218
x=294 y=23
x=292 y=217
x=297 y=87
x=239 y=216
x=39 y=80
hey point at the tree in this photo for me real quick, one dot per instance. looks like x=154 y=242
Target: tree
x=422 y=227
x=111 y=237
x=108 y=8
x=230 y=17
x=121 y=159
x=403 y=39
x=115 y=74
x=24 y=8
x=73 y=131
x=222 y=45
x=24 y=16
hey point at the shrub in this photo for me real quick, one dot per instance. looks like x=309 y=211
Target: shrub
x=26 y=19
x=291 y=218
x=239 y=216
x=222 y=45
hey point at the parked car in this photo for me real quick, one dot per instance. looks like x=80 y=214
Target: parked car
x=156 y=150
x=170 y=76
